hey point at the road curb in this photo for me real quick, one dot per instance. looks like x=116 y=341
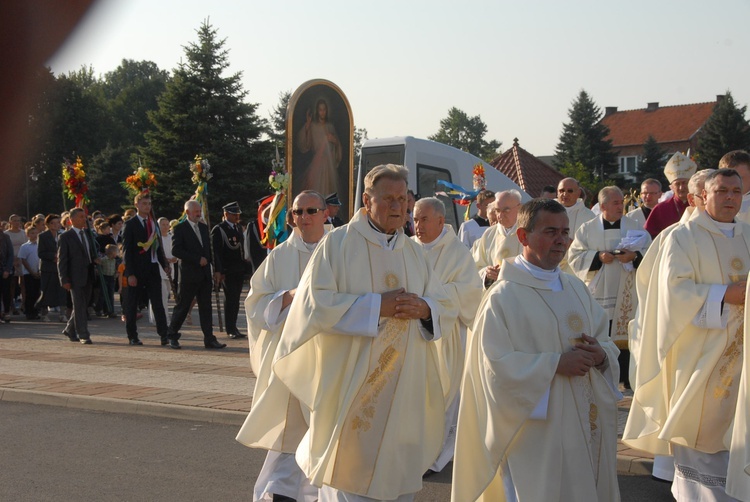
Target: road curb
x=114 y=405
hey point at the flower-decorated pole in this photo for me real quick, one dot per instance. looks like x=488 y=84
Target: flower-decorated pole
x=462 y=196
x=142 y=181
x=272 y=211
x=201 y=170
x=76 y=188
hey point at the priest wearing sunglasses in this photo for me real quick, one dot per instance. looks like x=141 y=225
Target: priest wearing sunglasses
x=276 y=421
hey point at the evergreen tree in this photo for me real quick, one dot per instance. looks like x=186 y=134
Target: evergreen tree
x=277 y=130
x=203 y=112
x=725 y=130
x=131 y=91
x=652 y=162
x=466 y=133
x=583 y=140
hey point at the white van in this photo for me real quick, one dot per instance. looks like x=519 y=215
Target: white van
x=429 y=162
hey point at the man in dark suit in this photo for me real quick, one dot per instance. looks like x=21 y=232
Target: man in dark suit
x=142 y=256
x=53 y=295
x=333 y=204
x=229 y=249
x=76 y=256
x=190 y=243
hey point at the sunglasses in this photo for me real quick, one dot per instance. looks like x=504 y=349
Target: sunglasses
x=309 y=210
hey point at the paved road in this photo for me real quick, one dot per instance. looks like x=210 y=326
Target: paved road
x=62 y=454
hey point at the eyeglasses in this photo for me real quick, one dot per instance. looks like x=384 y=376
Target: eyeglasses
x=309 y=210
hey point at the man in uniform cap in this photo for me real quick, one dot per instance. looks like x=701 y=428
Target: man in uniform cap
x=333 y=203
x=678 y=171
x=229 y=247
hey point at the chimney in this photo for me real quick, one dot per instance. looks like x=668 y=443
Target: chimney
x=652 y=106
x=720 y=97
x=610 y=110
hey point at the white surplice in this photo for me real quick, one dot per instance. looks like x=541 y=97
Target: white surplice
x=453 y=264
x=555 y=437
x=613 y=286
x=690 y=356
x=276 y=421
x=377 y=388
x=495 y=245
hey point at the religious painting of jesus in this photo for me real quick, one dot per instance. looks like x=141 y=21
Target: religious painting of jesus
x=319 y=142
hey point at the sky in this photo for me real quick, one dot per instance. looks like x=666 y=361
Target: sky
x=403 y=64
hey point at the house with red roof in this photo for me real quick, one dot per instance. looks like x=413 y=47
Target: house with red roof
x=525 y=170
x=675 y=128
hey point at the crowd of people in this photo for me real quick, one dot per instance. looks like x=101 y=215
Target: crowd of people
x=70 y=268
x=385 y=347
x=505 y=346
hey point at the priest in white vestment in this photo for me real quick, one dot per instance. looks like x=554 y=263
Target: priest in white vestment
x=691 y=364
x=369 y=349
x=605 y=254
x=453 y=264
x=499 y=241
x=650 y=193
x=663 y=467
x=276 y=421
x=538 y=413
x=570 y=194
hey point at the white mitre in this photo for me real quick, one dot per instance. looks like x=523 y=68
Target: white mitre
x=680 y=166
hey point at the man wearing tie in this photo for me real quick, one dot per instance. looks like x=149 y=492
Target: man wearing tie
x=191 y=245
x=229 y=247
x=75 y=263
x=142 y=256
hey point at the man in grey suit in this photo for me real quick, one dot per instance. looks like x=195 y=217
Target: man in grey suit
x=76 y=257
x=191 y=244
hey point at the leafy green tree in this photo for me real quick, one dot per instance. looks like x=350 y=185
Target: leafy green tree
x=652 y=162
x=587 y=179
x=466 y=133
x=204 y=112
x=725 y=130
x=583 y=140
x=131 y=91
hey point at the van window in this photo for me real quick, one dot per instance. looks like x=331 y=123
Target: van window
x=427 y=177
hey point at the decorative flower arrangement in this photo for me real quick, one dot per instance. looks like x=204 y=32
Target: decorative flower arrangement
x=479 y=181
x=74 y=182
x=140 y=181
x=279 y=181
x=201 y=170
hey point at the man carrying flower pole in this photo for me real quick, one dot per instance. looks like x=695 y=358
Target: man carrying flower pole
x=76 y=188
x=142 y=256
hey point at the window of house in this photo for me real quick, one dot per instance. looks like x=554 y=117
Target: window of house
x=628 y=165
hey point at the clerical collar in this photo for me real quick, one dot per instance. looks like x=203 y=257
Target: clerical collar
x=386 y=240
x=646 y=211
x=611 y=225
x=508 y=231
x=482 y=222
x=550 y=277
x=726 y=228
x=432 y=244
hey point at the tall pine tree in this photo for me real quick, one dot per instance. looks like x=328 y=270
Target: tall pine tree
x=204 y=112
x=652 y=162
x=583 y=140
x=725 y=130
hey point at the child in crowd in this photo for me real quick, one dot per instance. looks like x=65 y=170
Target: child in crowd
x=109 y=271
x=29 y=258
